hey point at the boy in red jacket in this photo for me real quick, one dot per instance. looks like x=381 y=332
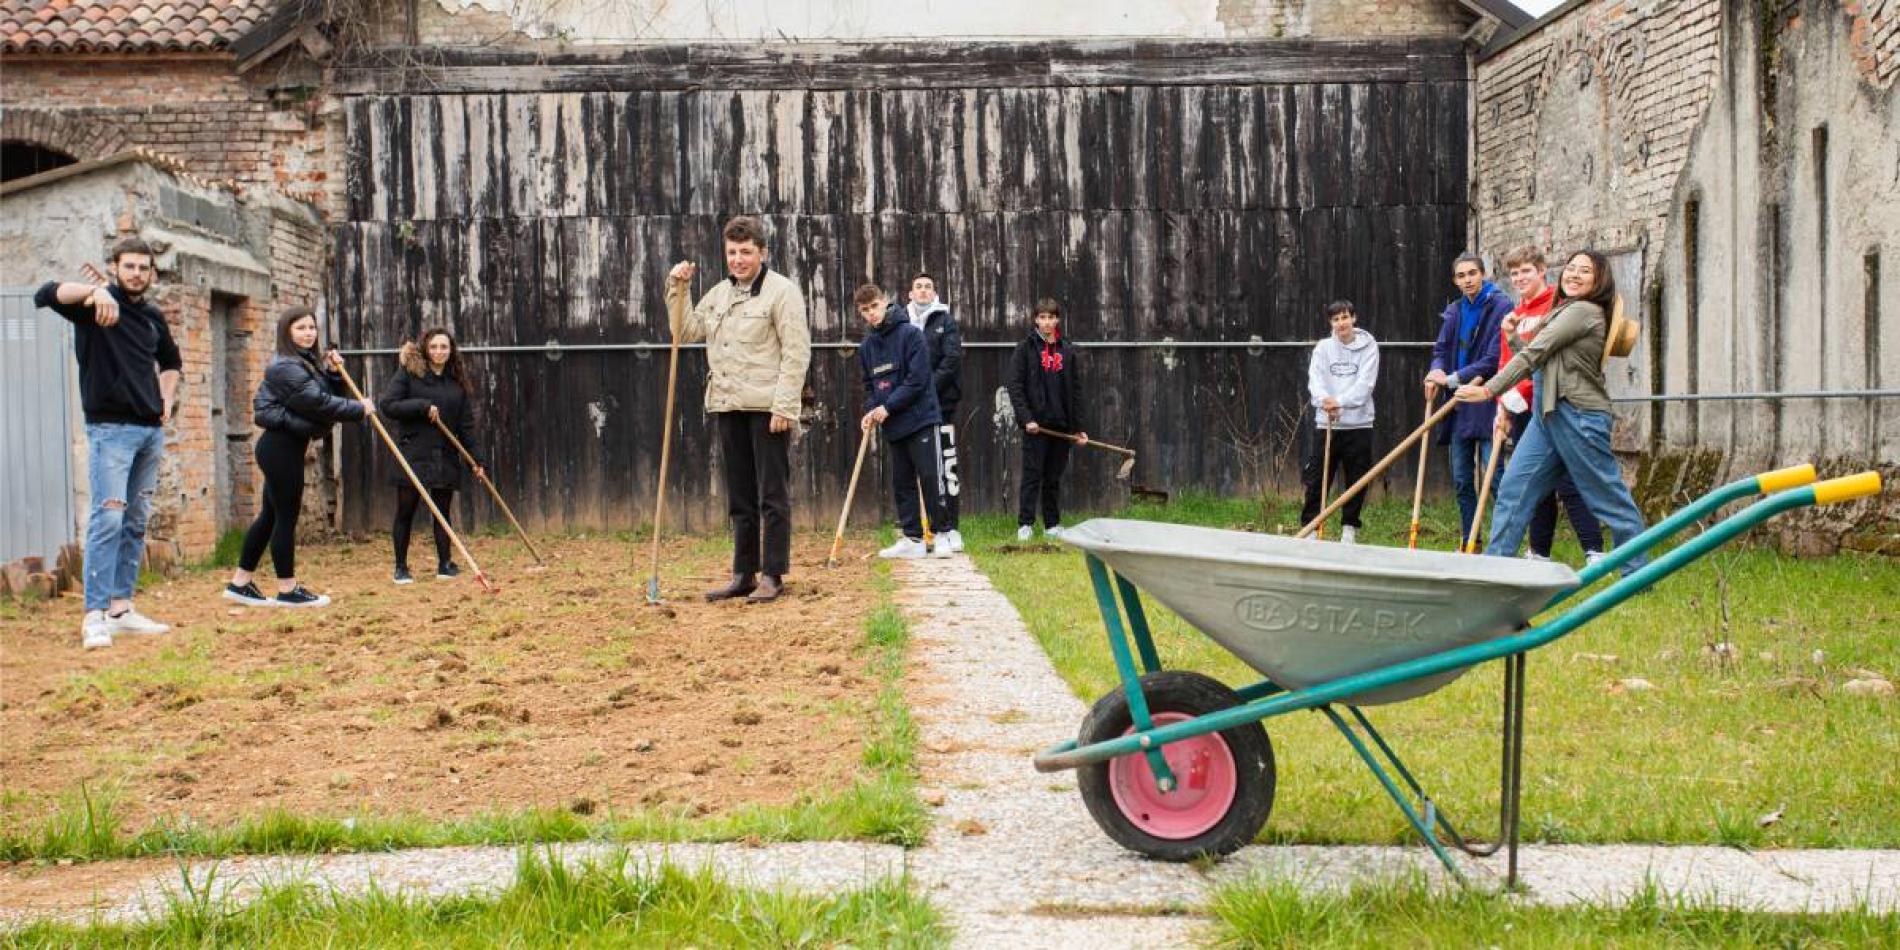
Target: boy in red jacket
x=1525 y=266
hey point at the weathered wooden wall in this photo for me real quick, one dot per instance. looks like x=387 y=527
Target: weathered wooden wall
x=1155 y=195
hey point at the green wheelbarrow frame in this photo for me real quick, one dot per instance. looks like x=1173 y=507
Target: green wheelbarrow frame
x=1785 y=489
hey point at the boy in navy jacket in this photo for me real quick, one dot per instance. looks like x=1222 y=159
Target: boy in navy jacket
x=901 y=400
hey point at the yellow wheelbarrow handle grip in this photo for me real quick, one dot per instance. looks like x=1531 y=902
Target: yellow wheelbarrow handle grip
x=1847 y=488
x=1785 y=478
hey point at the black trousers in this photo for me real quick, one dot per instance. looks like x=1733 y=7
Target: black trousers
x=280 y=458
x=407 y=501
x=1352 y=459
x=914 y=469
x=951 y=488
x=758 y=470
x=1044 y=458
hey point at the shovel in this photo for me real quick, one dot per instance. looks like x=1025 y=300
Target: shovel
x=376 y=422
x=1121 y=474
x=837 y=540
x=493 y=492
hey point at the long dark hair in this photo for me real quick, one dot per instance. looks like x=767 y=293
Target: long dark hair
x=1603 y=294
x=284 y=346
x=454 y=369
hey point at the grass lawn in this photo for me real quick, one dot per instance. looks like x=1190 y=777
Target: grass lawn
x=1277 y=913
x=607 y=903
x=1725 y=739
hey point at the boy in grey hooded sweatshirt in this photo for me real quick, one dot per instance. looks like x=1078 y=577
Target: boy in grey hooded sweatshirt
x=1339 y=383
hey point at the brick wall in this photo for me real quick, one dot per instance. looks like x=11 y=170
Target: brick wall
x=269 y=146
x=221 y=126
x=1584 y=128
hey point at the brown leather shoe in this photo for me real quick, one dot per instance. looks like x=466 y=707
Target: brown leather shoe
x=769 y=589
x=739 y=586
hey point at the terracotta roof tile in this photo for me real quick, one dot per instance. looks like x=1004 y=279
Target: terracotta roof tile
x=126 y=26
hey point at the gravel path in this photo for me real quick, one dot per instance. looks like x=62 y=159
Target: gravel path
x=1013 y=858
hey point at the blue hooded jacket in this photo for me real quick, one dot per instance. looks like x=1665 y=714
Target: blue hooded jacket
x=896 y=362
x=1467 y=349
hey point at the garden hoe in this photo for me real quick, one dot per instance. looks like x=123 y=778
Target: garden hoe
x=1121 y=473
x=1418 y=484
x=376 y=422
x=540 y=564
x=837 y=539
x=666 y=447
x=1421 y=432
x=1484 y=491
x=1325 y=474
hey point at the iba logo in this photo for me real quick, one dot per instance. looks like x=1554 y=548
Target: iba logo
x=1272 y=613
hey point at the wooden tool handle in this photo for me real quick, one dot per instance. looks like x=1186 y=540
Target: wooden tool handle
x=1378 y=469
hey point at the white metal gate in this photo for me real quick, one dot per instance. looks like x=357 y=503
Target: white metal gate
x=36 y=463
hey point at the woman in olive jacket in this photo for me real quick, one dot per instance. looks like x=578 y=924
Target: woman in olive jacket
x=431 y=384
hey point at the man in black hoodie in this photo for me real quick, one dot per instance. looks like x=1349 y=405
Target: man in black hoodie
x=945 y=342
x=128 y=383
x=1043 y=394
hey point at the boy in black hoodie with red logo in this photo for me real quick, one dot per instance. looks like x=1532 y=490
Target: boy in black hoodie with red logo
x=1044 y=394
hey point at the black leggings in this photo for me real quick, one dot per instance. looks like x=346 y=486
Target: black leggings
x=407 y=501
x=280 y=458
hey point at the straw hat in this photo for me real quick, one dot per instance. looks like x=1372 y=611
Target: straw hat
x=1621 y=339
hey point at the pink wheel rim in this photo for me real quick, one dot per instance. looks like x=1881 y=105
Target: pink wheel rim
x=1207 y=783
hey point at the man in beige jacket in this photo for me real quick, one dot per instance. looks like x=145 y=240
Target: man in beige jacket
x=757 y=348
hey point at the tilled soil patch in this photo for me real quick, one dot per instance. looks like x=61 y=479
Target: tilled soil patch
x=562 y=691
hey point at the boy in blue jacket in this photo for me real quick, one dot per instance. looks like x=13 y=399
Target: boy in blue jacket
x=1467 y=352
x=901 y=400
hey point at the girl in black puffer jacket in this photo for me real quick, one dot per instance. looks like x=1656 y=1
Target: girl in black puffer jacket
x=433 y=383
x=299 y=400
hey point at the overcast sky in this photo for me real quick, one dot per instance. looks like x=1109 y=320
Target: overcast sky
x=1537 y=7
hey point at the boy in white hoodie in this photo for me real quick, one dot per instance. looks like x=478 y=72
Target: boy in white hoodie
x=1339 y=381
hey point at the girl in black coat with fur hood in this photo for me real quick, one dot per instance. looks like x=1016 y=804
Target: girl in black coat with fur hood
x=432 y=384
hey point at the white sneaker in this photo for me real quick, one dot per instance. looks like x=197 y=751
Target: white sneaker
x=1024 y=533
x=954 y=539
x=134 y=622
x=1590 y=558
x=1052 y=532
x=940 y=547
x=904 y=548
x=96 y=632
x=1534 y=556
x=1348 y=535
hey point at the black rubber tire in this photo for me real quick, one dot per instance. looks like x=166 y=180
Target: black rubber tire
x=1179 y=691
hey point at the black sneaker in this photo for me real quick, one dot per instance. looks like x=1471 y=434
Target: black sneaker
x=247 y=594
x=300 y=596
x=402 y=576
x=447 y=571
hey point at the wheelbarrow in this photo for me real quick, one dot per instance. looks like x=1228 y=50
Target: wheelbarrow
x=1176 y=765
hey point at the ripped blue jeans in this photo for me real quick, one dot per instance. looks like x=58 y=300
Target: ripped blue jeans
x=123 y=470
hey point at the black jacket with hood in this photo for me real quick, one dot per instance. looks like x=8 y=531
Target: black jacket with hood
x=299 y=399
x=945 y=340
x=406 y=398
x=1043 y=386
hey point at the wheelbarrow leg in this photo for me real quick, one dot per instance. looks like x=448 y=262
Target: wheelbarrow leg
x=1510 y=774
x=1138 y=624
x=1423 y=824
x=1138 y=713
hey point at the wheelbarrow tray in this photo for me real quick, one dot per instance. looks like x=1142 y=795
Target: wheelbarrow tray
x=1306 y=612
